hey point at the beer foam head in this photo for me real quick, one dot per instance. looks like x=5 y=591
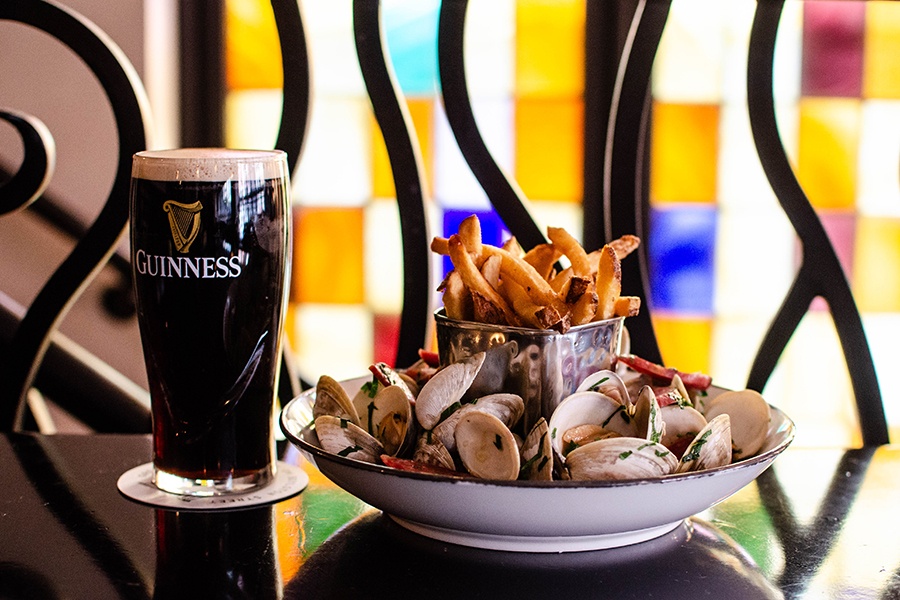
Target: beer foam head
x=208 y=164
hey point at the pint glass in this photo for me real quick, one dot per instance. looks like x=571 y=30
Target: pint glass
x=210 y=250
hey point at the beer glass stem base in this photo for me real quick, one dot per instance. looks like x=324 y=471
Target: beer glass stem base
x=185 y=486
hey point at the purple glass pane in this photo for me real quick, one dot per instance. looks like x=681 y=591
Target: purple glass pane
x=833 y=34
x=841 y=230
x=681 y=251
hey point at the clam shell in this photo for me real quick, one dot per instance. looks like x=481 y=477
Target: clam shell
x=609 y=383
x=648 y=416
x=750 y=416
x=683 y=423
x=537 y=454
x=431 y=451
x=620 y=458
x=389 y=418
x=332 y=399
x=710 y=449
x=343 y=438
x=487 y=447
x=445 y=389
x=591 y=408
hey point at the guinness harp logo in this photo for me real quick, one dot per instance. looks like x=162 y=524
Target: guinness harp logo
x=184 y=221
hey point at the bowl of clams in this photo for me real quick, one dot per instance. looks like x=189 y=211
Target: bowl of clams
x=532 y=428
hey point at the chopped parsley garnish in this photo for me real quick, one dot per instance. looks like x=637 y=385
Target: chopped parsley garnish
x=371 y=410
x=619 y=410
x=370 y=388
x=596 y=386
x=344 y=423
x=695 y=447
x=449 y=411
x=625 y=454
x=498 y=441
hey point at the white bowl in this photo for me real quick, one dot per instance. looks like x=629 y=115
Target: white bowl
x=531 y=516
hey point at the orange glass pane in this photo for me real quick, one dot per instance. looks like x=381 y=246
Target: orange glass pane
x=881 y=67
x=827 y=146
x=876 y=265
x=328 y=256
x=252 y=49
x=422 y=115
x=684 y=151
x=548 y=148
x=683 y=342
x=550 y=48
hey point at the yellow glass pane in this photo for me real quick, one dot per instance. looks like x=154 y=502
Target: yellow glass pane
x=550 y=48
x=876 y=265
x=684 y=342
x=881 y=67
x=826 y=158
x=548 y=151
x=421 y=112
x=252 y=49
x=328 y=256
x=683 y=152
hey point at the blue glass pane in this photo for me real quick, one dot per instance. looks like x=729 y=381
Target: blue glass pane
x=492 y=229
x=681 y=248
x=411 y=30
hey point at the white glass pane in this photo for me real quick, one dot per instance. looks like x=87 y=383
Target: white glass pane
x=383 y=256
x=252 y=118
x=489 y=48
x=332 y=49
x=335 y=168
x=879 y=159
x=332 y=339
x=755 y=263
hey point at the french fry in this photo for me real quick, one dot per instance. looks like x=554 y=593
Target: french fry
x=513 y=247
x=627 y=306
x=569 y=246
x=542 y=257
x=475 y=281
x=625 y=245
x=470 y=234
x=609 y=283
x=491 y=271
x=457 y=298
x=440 y=246
x=506 y=285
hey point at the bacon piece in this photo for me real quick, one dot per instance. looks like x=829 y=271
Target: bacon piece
x=664 y=375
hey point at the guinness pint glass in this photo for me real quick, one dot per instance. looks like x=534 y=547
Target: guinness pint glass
x=210 y=250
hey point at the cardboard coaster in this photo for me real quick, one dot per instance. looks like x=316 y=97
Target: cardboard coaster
x=137 y=485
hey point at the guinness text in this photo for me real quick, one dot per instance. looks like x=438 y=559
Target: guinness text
x=200 y=267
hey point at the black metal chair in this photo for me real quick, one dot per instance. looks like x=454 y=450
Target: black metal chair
x=34 y=355
x=617 y=107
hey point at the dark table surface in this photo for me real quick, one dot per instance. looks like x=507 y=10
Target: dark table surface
x=821 y=523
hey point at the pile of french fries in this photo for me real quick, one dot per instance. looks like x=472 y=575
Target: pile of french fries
x=508 y=286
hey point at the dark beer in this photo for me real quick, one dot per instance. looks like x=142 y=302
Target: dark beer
x=210 y=254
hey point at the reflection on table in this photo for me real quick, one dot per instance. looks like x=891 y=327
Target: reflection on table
x=818 y=524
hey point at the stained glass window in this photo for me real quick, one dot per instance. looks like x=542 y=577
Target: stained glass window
x=722 y=253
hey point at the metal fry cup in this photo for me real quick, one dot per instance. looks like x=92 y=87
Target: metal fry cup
x=542 y=366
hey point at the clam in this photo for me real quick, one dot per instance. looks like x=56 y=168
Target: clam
x=487 y=447
x=608 y=383
x=389 y=418
x=750 y=418
x=588 y=408
x=620 y=458
x=648 y=416
x=430 y=451
x=710 y=449
x=332 y=399
x=537 y=454
x=343 y=438
x=683 y=423
x=492 y=375
x=445 y=389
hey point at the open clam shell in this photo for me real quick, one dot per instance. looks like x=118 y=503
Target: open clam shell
x=648 y=416
x=487 y=447
x=589 y=408
x=537 y=454
x=446 y=388
x=332 y=399
x=750 y=417
x=343 y=438
x=389 y=418
x=710 y=449
x=608 y=383
x=620 y=458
